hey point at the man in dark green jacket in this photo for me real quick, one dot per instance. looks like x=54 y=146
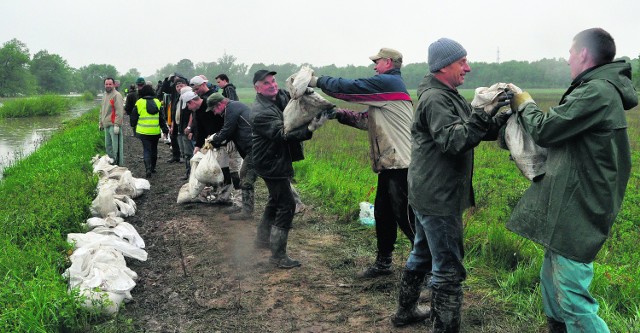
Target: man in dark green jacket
x=445 y=130
x=570 y=210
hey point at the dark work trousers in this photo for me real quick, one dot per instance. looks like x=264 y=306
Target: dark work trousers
x=175 y=146
x=150 y=147
x=280 y=205
x=391 y=210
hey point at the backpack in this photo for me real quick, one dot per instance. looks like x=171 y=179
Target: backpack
x=152 y=108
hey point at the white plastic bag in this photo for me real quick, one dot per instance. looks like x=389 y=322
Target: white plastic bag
x=367 y=216
x=208 y=170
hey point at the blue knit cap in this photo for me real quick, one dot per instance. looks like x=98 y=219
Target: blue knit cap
x=443 y=53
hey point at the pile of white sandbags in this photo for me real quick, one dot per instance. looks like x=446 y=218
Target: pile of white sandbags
x=98 y=268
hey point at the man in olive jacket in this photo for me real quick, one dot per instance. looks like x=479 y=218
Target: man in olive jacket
x=570 y=211
x=273 y=152
x=445 y=131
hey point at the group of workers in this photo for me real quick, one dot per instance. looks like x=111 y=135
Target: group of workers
x=423 y=156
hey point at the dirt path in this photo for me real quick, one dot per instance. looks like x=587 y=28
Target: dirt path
x=205 y=275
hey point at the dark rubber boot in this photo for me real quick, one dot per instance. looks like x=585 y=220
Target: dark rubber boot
x=147 y=167
x=235 y=179
x=408 y=310
x=445 y=311
x=278 y=241
x=227 y=176
x=246 y=213
x=153 y=165
x=555 y=326
x=381 y=267
x=264 y=231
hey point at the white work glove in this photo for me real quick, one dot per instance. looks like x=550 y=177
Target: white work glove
x=210 y=138
x=116 y=129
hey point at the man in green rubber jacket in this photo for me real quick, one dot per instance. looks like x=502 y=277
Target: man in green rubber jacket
x=570 y=210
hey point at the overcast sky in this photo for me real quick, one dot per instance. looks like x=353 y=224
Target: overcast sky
x=147 y=35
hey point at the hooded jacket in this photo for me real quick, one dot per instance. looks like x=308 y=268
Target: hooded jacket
x=229 y=91
x=572 y=208
x=445 y=131
x=273 y=150
x=387 y=119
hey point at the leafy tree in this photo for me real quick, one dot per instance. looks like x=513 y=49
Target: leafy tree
x=128 y=78
x=52 y=73
x=92 y=76
x=15 y=77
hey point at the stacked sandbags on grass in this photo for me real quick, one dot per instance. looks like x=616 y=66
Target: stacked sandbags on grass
x=98 y=267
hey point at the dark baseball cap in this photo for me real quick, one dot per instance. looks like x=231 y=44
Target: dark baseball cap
x=261 y=74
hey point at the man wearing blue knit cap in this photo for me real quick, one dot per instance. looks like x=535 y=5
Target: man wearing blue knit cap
x=445 y=130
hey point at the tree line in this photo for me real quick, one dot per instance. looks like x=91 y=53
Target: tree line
x=22 y=74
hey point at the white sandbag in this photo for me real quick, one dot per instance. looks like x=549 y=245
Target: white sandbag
x=487 y=97
x=208 y=170
x=104 y=268
x=126 y=185
x=142 y=184
x=103 y=302
x=305 y=103
x=297 y=83
x=104 y=202
x=124 y=231
x=94 y=240
x=528 y=156
x=102 y=163
x=126 y=205
x=110 y=221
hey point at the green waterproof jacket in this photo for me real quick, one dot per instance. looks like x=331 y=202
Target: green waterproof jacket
x=571 y=209
x=444 y=131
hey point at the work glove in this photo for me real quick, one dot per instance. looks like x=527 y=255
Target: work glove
x=331 y=113
x=503 y=100
x=100 y=128
x=519 y=101
x=317 y=121
x=314 y=82
x=210 y=137
x=116 y=129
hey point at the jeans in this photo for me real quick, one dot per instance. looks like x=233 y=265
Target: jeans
x=280 y=205
x=150 y=147
x=391 y=210
x=565 y=294
x=438 y=247
x=114 y=144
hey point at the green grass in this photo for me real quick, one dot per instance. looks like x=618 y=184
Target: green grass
x=46 y=105
x=47 y=196
x=502 y=266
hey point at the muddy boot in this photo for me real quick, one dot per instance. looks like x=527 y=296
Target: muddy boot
x=555 y=326
x=227 y=176
x=247 y=207
x=153 y=165
x=381 y=267
x=262 y=237
x=408 y=310
x=235 y=179
x=147 y=167
x=278 y=243
x=445 y=311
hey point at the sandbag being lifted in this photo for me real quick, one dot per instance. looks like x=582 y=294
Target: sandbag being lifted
x=305 y=103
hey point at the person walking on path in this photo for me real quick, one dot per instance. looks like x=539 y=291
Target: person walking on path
x=111 y=118
x=571 y=210
x=149 y=123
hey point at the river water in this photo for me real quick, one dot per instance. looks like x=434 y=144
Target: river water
x=19 y=137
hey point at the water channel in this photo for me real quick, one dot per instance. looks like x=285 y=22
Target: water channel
x=19 y=137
